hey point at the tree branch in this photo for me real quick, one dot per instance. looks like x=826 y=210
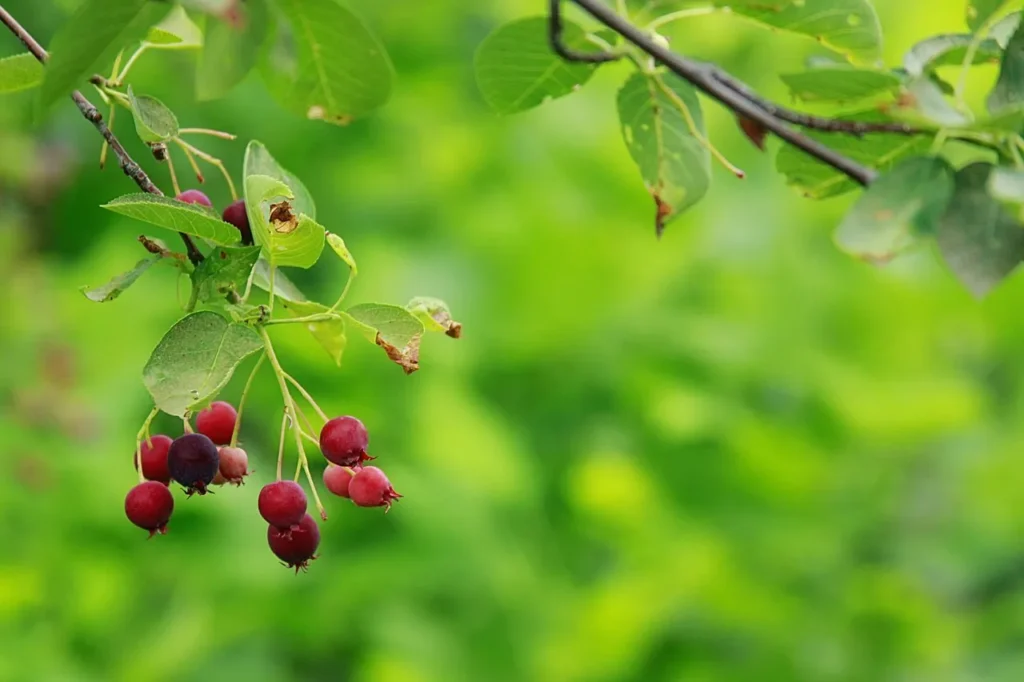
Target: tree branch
x=566 y=52
x=92 y=114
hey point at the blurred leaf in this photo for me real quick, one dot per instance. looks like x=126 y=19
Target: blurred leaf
x=176 y=32
x=287 y=239
x=225 y=269
x=950 y=49
x=338 y=246
x=674 y=164
x=116 y=286
x=212 y=7
x=1009 y=120
x=342 y=71
x=283 y=286
x=980 y=241
x=981 y=11
x=923 y=101
x=840 y=83
x=895 y=209
x=258 y=161
x=435 y=316
x=517 y=70
x=1009 y=88
x=231 y=51
x=329 y=334
x=393 y=328
x=195 y=359
x=193 y=219
x=1007 y=184
x=154 y=122
x=20 y=72
x=1004 y=29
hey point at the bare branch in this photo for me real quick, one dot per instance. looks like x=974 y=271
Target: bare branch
x=566 y=52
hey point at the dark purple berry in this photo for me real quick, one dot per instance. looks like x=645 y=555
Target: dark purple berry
x=234 y=465
x=282 y=504
x=236 y=215
x=336 y=479
x=343 y=441
x=217 y=422
x=154 y=459
x=295 y=547
x=194 y=196
x=193 y=462
x=149 y=505
x=371 y=488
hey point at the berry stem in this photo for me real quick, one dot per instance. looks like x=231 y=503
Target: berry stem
x=142 y=436
x=307 y=396
x=245 y=394
x=106 y=145
x=270 y=304
x=174 y=176
x=129 y=64
x=280 y=445
x=207 y=131
x=186 y=426
x=213 y=161
x=195 y=166
x=318 y=317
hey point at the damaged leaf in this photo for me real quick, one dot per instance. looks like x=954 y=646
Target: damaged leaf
x=435 y=315
x=397 y=331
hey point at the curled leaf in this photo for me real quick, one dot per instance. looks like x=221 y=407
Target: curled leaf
x=435 y=315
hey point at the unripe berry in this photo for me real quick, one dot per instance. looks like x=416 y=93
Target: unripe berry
x=343 y=441
x=217 y=422
x=194 y=196
x=337 y=479
x=149 y=505
x=297 y=546
x=193 y=462
x=154 y=459
x=282 y=504
x=236 y=215
x=234 y=465
x=371 y=488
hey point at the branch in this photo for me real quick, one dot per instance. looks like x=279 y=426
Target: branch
x=92 y=114
x=564 y=51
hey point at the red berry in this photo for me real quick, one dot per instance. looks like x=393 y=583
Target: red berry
x=236 y=215
x=149 y=505
x=282 y=504
x=154 y=459
x=297 y=546
x=217 y=422
x=371 y=488
x=193 y=462
x=343 y=441
x=336 y=479
x=234 y=465
x=194 y=196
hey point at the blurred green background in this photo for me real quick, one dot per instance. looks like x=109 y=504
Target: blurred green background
x=731 y=454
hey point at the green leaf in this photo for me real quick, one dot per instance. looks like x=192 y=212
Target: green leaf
x=950 y=49
x=154 y=122
x=225 y=269
x=435 y=315
x=1009 y=120
x=923 y=102
x=674 y=164
x=1007 y=184
x=193 y=219
x=840 y=83
x=20 y=72
x=287 y=239
x=1003 y=30
x=176 y=32
x=231 y=50
x=195 y=360
x=337 y=244
x=258 y=161
x=1009 y=88
x=116 y=286
x=340 y=72
x=284 y=288
x=330 y=334
x=979 y=12
x=393 y=328
x=896 y=209
x=98 y=29
x=517 y=70
x=978 y=238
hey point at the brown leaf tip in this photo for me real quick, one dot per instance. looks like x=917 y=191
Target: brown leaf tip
x=282 y=219
x=664 y=212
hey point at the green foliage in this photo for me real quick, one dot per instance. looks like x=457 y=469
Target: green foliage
x=1009 y=89
x=981 y=12
x=20 y=72
x=230 y=51
x=176 y=32
x=393 y=328
x=840 y=83
x=226 y=269
x=952 y=49
x=330 y=334
x=193 y=219
x=337 y=245
x=258 y=161
x=116 y=286
x=154 y=122
x=287 y=239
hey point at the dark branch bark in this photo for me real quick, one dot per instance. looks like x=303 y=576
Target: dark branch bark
x=92 y=114
x=566 y=52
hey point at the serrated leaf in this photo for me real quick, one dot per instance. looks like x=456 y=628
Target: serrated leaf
x=337 y=244
x=393 y=328
x=258 y=161
x=435 y=315
x=225 y=269
x=194 y=361
x=98 y=29
x=287 y=239
x=949 y=49
x=284 y=288
x=978 y=238
x=1009 y=88
x=674 y=164
x=897 y=208
x=922 y=101
x=116 y=286
x=20 y=72
x=231 y=50
x=979 y=12
x=341 y=70
x=176 y=32
x=193 y=219
x=517 y=70
x=840 y=83
x=330 y=333
x=154 y=122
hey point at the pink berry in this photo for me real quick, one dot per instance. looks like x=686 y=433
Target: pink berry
x=193 y=462
x=337 y=479
x=154 y=459
x=343 y=441
x=282 y=504
x=371 y=488
x=236 y=215
x=149 y=505
x=297 y=546
x=234 y=465
x=217 y=422
x=194 y=196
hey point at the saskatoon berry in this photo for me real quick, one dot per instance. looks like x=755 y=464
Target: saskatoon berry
x=371 y=488
x=154 y=459
x=336 y=479
x=234 y=465
x=193 y=462
x=217 y=422
x=194 y=196
x=149 y=505
x=297 y=546
x=282 y=504
x=343 y=441
x=236 y=215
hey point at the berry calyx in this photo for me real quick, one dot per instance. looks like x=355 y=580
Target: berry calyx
x=217 y=422
x=149 y=505
x=343 y=441
x=282 y=504
x=234 y=465
x=297 y=546
x=194 y=196
x=154 y=459
x=371 y=488
x=337 y=479
x=193 y=462
x=236 y=215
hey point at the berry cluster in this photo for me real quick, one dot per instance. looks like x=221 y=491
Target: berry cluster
x=234 y=213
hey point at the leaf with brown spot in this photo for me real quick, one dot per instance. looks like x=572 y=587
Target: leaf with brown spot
x=282 y=219
x=407 y=357
x=396 y=330
x=435 y=316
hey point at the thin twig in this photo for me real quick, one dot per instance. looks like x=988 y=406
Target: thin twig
x=566 y=52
